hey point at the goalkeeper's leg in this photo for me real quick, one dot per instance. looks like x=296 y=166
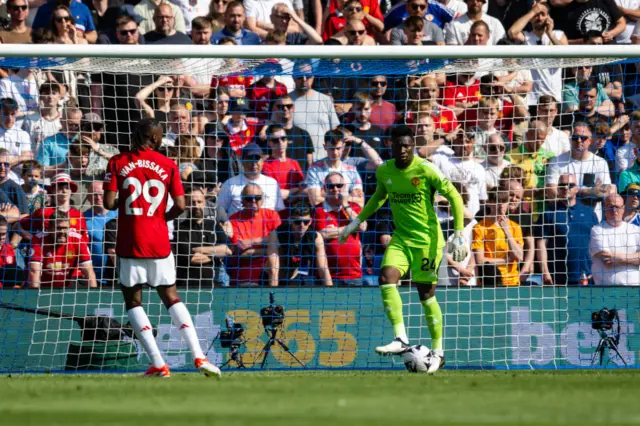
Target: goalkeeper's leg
x=182 y=320
x=433 y=314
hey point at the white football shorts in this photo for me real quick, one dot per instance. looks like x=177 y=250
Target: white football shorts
x=153 y=272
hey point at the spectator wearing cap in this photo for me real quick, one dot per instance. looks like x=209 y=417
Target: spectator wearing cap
x=230 y=196
x=17 y=32
x=261 y=93
x=334 y=213
x=234 y=22
x=286 y=171
x=12 y=137
x=45 y=122
x=241 y=131
x=631 y=196
x=146 y=10
x=97 y=217
x=255 y=240
x=125 y=30
x=61 y=188
x=562 y=236
x=60 y=257
x=281 y=17
x=53 y=150
x=317 y=173
x=91 y=131
x=458 y=30
x=313 y=111
x=419 y=29
x=615 y=247
x=78 y=12
x=165 y=32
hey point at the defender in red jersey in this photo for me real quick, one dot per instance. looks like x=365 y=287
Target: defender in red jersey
x=144 y=180
x=55 y=256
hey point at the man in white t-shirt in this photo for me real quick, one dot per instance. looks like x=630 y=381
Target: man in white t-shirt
x=557 y=141
x=546 y=81
x=45 y=122
x=615 y=247
x=591 y=171
x=13 y=139
x=462 y=167
x=230 y=196
x=457 y=31
x=629 y=9
x=495 y=162
x=460 y=8
x=259 y=15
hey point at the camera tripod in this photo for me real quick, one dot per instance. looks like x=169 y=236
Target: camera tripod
x=235 y=356
x=272 y=332
x=607 y=342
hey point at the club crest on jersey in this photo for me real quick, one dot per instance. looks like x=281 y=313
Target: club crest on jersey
x=415 y=181
x=73 y=222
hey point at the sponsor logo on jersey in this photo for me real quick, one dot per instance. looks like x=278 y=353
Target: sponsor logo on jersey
x=405 y=198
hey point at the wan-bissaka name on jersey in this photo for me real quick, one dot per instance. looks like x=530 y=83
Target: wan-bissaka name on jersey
x=411 y=194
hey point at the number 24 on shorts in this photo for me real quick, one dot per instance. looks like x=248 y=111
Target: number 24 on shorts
x=428 y=264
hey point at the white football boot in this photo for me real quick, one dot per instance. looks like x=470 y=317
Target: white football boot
x=397 y=347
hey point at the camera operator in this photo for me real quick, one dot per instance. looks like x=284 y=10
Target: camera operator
x=615 y=247
x=301 y=248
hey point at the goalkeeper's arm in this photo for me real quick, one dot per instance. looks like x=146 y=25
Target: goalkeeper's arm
x=376 y=201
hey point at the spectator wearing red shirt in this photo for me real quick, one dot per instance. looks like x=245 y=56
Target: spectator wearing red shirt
x=462 y=91
x=56 y=257
x=9 y=272
x=370 y=7
x=383 y=113
x=336 y=22
x=234 y=83
x=262 y=92
x=444 y=118
x=241 y=130
x=61 y=186
x=255 y=239
x=330 y=217
x=286 y=171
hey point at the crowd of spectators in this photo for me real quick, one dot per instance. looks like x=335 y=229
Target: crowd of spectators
x=547 y=159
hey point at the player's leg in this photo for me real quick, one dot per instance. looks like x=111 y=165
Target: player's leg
x=143 y=330
x=162 y=276
x=424 y=270
x=394 y=265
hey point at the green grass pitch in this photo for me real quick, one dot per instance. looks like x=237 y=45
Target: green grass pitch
x=389 y=398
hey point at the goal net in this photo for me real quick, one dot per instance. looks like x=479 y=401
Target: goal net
x=276 y=155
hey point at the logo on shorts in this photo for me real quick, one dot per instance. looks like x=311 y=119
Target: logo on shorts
x=415 y=181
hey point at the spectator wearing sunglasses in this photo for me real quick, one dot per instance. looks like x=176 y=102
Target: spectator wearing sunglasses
x=434 y=17
x=337 y=21
x=383 y=112
x=330 y=217
x=300 y=146
x=230 y=196
x=303 y=259
x=125 y=30
x=562 y=235
x=73 y=8
x=91 y=131
x=255 y=240
x=17 y=31
x=495 y=162
x=286 y=171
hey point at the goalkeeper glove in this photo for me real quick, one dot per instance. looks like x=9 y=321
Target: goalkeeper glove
x=348 y=230
x=458 y=247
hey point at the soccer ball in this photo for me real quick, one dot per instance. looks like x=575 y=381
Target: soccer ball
x=417 y=359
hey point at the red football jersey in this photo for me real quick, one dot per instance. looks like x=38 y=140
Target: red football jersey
x=461 y=93
x=145 y=179
x=59 y=261
x=245 y=227
x=372 y=7
x=444 y=118
x=237 y=141
x=343 y=259
x=504 y=123
x=37 y=221
x=232 y=82
x=7 y=258
x=260 y=96
x=287 y=173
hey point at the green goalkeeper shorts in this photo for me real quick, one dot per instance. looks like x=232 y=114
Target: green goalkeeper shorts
x=423 y=262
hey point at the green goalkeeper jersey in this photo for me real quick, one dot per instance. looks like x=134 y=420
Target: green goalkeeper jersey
x=411 y=192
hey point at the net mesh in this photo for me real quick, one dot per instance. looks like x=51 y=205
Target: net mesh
x=491 y=126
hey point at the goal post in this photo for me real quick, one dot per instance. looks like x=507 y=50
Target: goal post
x=455 y=98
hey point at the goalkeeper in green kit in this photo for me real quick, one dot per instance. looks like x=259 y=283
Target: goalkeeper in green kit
x=410 y=183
